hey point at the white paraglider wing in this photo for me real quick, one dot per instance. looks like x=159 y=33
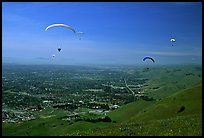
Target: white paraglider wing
x=61 y=25
x=173 y=40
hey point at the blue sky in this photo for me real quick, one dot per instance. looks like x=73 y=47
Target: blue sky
x=114 y=32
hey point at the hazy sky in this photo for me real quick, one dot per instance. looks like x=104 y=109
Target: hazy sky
x=115 y=32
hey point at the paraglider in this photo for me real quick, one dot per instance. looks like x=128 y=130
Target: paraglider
x=59 y=49
x=173 y=40
x=149 y=58
x=79 y=35
x=53 y=55
x=60 y=25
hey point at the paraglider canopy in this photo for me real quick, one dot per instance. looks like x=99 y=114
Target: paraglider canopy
x=173 y=40
x=147 y=57
x=60 y=25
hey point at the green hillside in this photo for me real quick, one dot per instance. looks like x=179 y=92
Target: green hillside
x=165 y=81
x=161 y=118
x=125 y=112
x=190 y=98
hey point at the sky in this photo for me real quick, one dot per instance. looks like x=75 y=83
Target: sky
x=114 y=32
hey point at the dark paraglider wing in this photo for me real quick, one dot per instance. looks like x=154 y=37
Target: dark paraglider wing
x=148 y=58
x=152 y=59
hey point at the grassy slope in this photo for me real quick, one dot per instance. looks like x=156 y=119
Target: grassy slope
x=190 y=98
x=161 y=118
x=125 y=112
x=172 y=81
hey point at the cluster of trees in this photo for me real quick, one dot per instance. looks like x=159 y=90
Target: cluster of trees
x=94 y=120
